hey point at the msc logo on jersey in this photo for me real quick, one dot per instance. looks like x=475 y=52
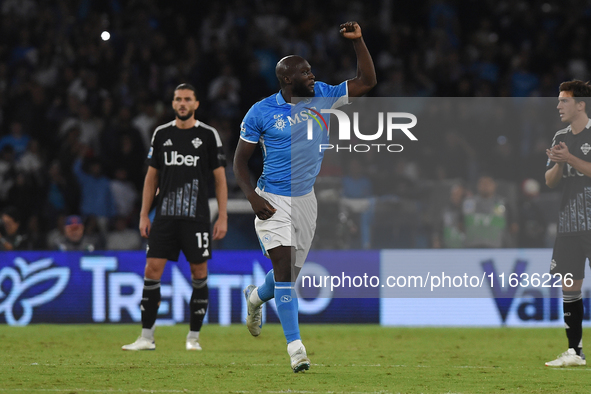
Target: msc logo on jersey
x=586 y=148
x=176 y=159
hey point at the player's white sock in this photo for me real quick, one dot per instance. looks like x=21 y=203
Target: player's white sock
x=255 y=299
x=193 y=335
x=148 y=333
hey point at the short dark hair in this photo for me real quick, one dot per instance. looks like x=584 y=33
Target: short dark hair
x=13 y=212
x=187 y=86
x=581 y=91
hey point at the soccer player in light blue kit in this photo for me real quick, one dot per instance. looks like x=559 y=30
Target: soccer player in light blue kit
x=284 y=201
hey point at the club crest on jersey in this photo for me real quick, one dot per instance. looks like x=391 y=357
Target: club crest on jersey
x=197 y=143
x=586 y=148
x=280 y=123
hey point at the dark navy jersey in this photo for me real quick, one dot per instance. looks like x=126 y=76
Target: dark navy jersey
x=185 y=159
x=575 y=208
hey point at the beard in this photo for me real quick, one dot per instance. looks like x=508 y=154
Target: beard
x=302 y=91
x=185 y=117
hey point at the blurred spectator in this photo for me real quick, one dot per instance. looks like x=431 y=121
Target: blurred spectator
x=13 y=237
x=124 y=193
x=224 y=93
x=23 y=196
x=74 y=237
x=532 y=222
x=35 y=233
x=96 y=196
x=358 y=198
x=488 y=221
x=17 y=139
x=122 y=147
x=7 y=173
x=88 y=125
x=61 y=195
x=455 y=157
x=145 y=122
x=31 y=162
x=121 y=237
x=449 y=229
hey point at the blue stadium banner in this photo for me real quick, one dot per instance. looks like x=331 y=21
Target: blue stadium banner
x=106 y=287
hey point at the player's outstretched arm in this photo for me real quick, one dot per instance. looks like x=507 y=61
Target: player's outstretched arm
x=150 y=186
x=220 y=227
x=366 y=72
x=260 y=206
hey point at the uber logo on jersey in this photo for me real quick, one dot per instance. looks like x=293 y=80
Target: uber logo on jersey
x=176 y=159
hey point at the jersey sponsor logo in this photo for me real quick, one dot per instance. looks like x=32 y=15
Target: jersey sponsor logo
x=571 y=171
x=151 y=152
x=586 y=148
x=304 y=116
x=167 y=143
x=197 y=143
x=280 y=123
x=176 y=159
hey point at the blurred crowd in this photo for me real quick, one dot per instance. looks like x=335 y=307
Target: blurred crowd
x=78 y=106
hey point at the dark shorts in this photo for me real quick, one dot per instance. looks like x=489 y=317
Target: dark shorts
x=569 y=255
x=169 y=237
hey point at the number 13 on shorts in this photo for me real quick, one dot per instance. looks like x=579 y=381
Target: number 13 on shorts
x=202 y=240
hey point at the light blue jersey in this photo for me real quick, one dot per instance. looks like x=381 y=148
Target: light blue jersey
x=291 y=161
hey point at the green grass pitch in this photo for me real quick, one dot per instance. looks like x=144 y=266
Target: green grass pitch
x=345 y=358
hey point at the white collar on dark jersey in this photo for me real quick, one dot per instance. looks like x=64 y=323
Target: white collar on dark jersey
x=587 y=126
x=197 y=123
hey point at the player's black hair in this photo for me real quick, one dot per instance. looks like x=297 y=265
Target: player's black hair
x=581 y=91
x=13 y=213
x=187 y=86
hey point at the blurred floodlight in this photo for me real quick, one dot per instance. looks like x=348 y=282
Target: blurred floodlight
x=105 y=36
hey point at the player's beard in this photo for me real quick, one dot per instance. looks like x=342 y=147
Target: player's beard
x=185 y=117
x=301 y=90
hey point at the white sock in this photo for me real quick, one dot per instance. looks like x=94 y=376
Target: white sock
x=255 y=299
x=148 y=333
x=193 y=334
x=293 y=346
